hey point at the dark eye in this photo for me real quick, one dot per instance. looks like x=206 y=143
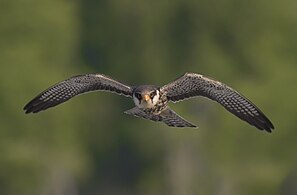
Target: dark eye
x=152 y=95
x=138 y=96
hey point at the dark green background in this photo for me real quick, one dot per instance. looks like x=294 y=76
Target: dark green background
x=88 y=146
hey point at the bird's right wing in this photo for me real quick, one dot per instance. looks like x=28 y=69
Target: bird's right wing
x=74 y=86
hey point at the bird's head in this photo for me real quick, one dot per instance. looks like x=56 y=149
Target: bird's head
x=146 y=96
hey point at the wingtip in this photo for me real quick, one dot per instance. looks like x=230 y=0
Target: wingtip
x=27 y=112
x=33 y=107
x=267 y=125
x=269 y=129
x=26 y=109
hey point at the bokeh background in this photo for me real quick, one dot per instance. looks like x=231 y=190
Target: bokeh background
x=88 y=146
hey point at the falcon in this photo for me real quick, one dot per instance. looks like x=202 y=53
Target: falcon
x=151 y=102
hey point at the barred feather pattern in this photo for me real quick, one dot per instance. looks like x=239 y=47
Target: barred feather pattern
x=191 y=85
x=168 y=116
x=172 y=119
x=74 y=86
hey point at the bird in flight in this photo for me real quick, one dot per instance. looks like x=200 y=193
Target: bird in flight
x=151 y=102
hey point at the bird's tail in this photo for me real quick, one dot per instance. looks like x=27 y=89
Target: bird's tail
x=167 y=116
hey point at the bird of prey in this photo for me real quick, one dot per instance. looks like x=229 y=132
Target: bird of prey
x=151 y=102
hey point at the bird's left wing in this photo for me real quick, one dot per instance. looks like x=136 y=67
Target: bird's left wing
x=191 y=85
x=74 y=86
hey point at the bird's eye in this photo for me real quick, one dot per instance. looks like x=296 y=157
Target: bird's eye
x=152 y=95
x=138 y=96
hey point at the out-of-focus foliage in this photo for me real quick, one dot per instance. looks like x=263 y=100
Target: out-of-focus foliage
x=88 y=146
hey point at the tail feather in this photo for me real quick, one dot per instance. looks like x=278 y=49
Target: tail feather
x=172 y=119
x=167 y=116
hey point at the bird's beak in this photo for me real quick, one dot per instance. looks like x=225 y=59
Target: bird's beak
x=146 y=97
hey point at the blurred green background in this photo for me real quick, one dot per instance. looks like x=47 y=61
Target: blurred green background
x=89 y=146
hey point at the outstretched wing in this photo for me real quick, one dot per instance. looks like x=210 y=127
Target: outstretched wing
x=191 y=85
x=73 y=86
x=168 y=116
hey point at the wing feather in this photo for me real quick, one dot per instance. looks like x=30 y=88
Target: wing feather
x=191 y=85
x=74 y=86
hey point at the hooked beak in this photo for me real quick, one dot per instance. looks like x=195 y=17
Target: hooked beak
x=146 y=97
